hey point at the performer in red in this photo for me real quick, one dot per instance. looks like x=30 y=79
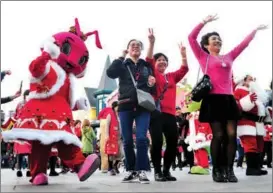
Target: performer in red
x=46 y=119
x=113 y=137
x=251 y=99
x=199 y=140
x=268 y=146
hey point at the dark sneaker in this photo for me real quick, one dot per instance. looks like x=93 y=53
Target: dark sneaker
x=143 y=177
x=169 y=177
x=112 y=172
x=129 y=177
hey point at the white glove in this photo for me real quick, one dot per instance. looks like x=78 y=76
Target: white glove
x=51 y=48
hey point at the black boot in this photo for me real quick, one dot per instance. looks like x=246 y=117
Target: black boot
x=28 y=174
x=224 y=173
x=159 y=177
x=217 y=175
x=19 y=173
x=167 y=175
x=52 y=165
x=253 y=165
x=230 y=175
x=260 y=160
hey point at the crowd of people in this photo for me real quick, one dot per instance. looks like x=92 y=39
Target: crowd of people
x=234 y=115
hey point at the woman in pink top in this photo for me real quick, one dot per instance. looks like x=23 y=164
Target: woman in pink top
x=219 y=107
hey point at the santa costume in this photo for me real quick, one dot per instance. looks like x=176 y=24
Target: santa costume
x=46 y=119
x=250 y=128
x=199 y=140
x=113 y=144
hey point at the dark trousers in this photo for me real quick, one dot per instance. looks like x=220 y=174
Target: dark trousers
x=179 y=159
x=163 y=124
x=140 y=160
x=188 y=155
x=268 y=152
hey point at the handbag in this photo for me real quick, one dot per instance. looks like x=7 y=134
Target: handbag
x=144 y=99
x=203 y=86
x=111 y=147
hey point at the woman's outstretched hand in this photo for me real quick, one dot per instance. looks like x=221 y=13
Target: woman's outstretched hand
x=262 y=27
x=151 y=36
x=210 y=18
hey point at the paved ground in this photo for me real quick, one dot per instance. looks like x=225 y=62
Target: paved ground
x=104 y=183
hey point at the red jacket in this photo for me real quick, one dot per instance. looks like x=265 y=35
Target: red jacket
x=112 y=143
x=168 y=102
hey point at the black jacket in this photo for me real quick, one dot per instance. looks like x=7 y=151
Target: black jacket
x=127 y=92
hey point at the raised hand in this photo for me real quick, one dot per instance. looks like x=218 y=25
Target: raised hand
x=210 y=18
x=8 y=72
x=262 y=27
x=151 y=36
x=182 y=49
x=151 y=81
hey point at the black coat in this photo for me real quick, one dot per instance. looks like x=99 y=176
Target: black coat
x=127 y=92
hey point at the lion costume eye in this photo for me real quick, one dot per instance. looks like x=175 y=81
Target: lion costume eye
x=66 y=48
x=83 y=60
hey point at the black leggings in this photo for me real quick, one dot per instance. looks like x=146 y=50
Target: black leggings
x=224 y=144
x=159 y=125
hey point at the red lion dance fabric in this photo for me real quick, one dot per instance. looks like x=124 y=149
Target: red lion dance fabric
x=46 y=119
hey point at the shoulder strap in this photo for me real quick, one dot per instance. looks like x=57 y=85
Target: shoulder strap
x=206 y=69
x=132 y=77
x=165 y=88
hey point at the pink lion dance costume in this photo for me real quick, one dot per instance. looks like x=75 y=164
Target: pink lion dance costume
x=46 y=119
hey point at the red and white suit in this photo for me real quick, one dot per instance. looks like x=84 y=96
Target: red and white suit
x=251 y=133
x=199 y=139
x=46 y=119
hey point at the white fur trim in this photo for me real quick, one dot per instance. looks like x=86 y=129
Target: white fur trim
x=260 y=129
x=201 y=145
x=61 y=75
x=189 y=148
x=39 y=79
x=46 y=137
x=200 y=136
x=246 y=103
x=72 y=90
x=54 y=150
x=246 y=130
x=268 y=112
x=50 y=47
x=82 y=104
x=187 y=140
x=192 y=131
x=261 y=108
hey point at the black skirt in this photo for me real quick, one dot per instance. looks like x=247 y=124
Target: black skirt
x=219 y=108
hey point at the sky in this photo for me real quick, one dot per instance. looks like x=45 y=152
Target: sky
x=24 y=26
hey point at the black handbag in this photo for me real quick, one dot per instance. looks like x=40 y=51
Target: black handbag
x=203 y=86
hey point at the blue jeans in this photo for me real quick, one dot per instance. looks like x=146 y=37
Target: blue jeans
x=139 y=161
